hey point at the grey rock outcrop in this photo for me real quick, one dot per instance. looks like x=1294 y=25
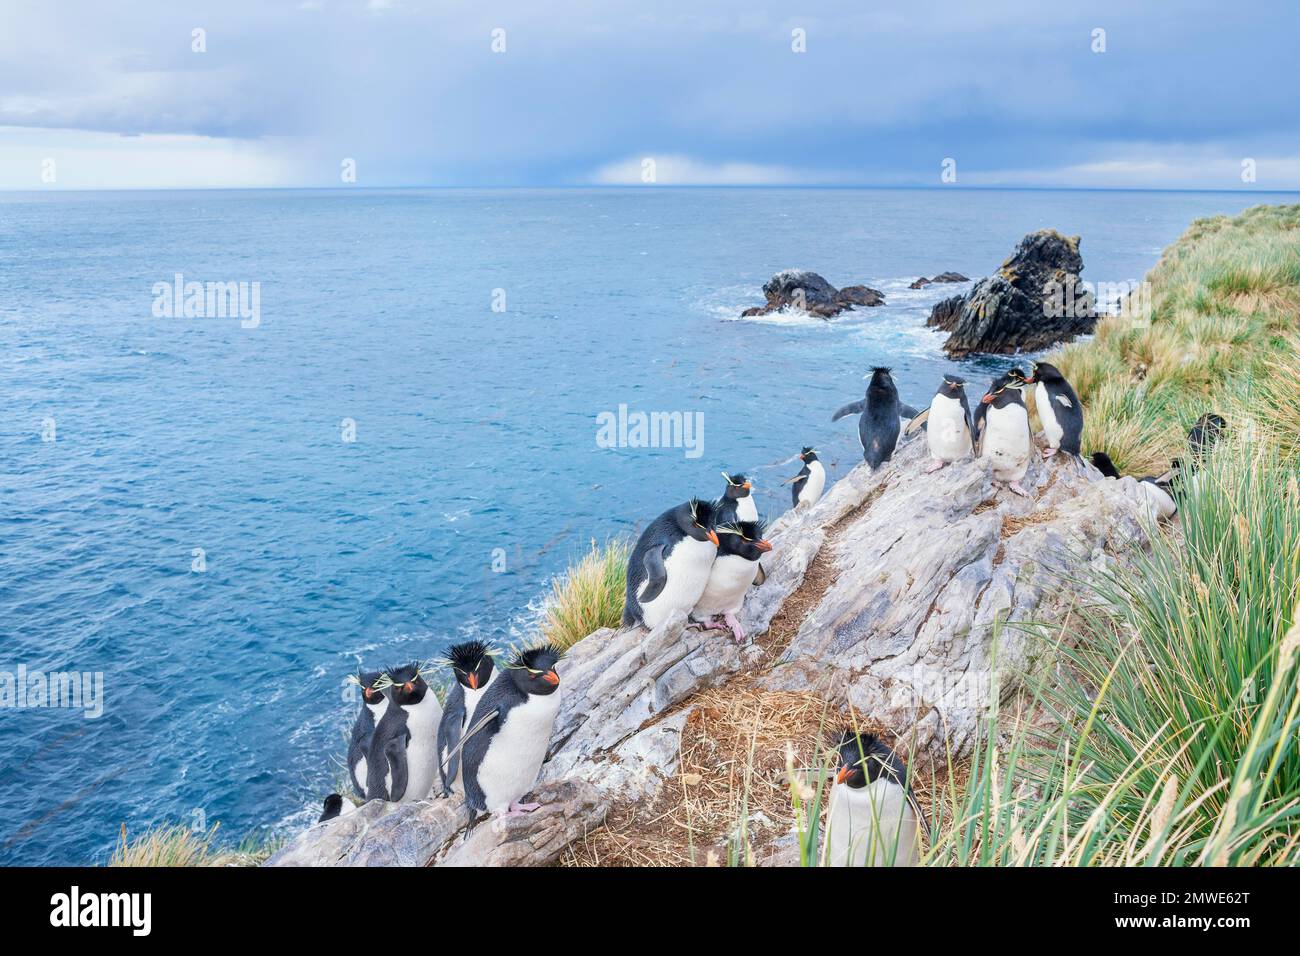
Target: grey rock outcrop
x=807 y=291
x=1035 y=300
x=903 y=594
x=922 y=282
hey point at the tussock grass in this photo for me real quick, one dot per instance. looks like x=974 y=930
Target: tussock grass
x=1173 y=738
x=589 y=595
x=179 y=845
x=1224 y=303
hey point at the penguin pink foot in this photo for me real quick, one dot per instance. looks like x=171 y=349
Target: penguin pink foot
x=521 y=809
x=1015 y=486
x=737 y=631
x=934 y=466
x=1049 y=452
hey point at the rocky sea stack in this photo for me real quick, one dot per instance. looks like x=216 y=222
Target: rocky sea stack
x=809 y=292
x=1034 y=301
x=922 y=282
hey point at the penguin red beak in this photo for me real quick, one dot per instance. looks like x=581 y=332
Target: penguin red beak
x=551 y=678
x=748 y=485
x=764 y=545
x=842 y=775
x=987 y=399
x=409 y=687
x=713 y=536
x=473 y=680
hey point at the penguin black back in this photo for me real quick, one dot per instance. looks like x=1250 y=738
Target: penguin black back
x=1207 y=430
x=694 y=519
x=879 y=425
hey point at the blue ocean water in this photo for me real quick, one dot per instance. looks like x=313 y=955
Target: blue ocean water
x=475 y=430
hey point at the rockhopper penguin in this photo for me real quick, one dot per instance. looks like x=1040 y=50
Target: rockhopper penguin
x=509 y=733
x=809 y=484
x=1059 y=409
x=740 y=545
x=878 y=422
x=669 y=567
x=948 y=424
x=736 y=504
x=874 y=817
x=1159 y=494
x=403 y=759
x=374 y=702
x=1006 y=441
x=472 y=665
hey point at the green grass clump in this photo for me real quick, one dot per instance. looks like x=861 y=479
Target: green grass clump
x=589 y=595
x=174 y=844
x=1175 y=737
x=1224 y=301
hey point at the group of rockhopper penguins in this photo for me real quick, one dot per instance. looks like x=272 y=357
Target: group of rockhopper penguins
x=490 y=738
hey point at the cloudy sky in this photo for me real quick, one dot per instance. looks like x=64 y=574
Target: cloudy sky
x=102 y=95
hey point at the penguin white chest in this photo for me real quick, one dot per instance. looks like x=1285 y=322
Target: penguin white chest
x=1160 y=503
x=1047 y=415
x=946 y=428
x=814 y=485
x=873 y=825
x=514 y=757
x=687 y=569
x=422 y=749
x=746 y=510
x=1007 y=442
x=729 y=579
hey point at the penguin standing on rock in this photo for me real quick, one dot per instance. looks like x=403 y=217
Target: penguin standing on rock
x=810 y=482
x=740 y=545
x=403 y=760
x=736 y=504
x=669 y=567
x=1159 y=494
x=874 y=817
x=948 y=424
x=472 y=665
x=1059 y=409
x=878 y=422
x=509 y=733
x=374 y=703
x=1006 y=440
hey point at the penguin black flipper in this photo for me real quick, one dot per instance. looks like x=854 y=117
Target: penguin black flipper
x=907 y=411
x=656 y=575
x=797 y=485
x=919 y=420
x=453 y=719
x=977 y=428
x=395 y=751
x=363 y=731
x=970 y=425
x=759 y=576
x=853 y=408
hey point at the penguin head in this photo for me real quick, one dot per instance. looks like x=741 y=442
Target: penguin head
x=1006 y=387
x=407 y=686
x=372 y=686
x=952 y=386
x=695 y=519
x=738 y=486
x=864 y=758
x=472 y=664
x=1042 y=372
x=748 y=539
x=533 y=670
x=808 y=454
x=880 y=377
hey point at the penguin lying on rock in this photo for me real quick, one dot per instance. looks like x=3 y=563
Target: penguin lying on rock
x=335 y=806
x=810 y=482
x=374 y=702
x=874 y=817
x=1159 y=494
x=879 y=418
x=740 y=546
x=1005 y=439
x=1059 y=409
x=472 y=665
x=736 y=504
x=509 y=733
x=669 y=567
